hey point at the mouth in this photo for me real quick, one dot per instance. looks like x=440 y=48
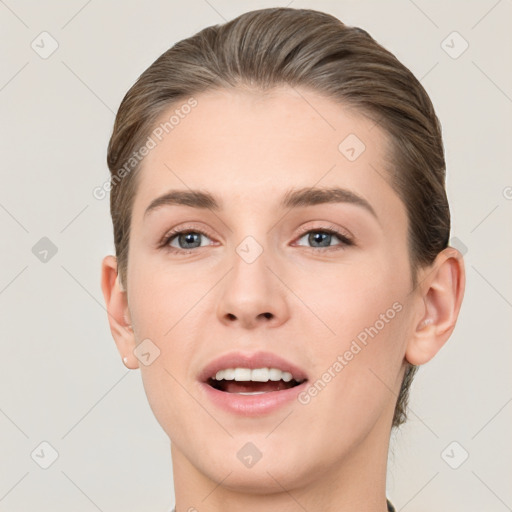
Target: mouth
x=252 y=384
x=253 y=381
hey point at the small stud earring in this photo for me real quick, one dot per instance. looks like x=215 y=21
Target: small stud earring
x=125 y=361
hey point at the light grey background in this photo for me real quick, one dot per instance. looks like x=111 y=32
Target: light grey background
x=62 y=380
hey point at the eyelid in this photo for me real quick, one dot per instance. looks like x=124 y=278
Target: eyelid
x=344 y=242
x=181 y=229
x=331 y=227
x=345 y=237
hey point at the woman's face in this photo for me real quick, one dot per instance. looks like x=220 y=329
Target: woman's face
x=263 y=280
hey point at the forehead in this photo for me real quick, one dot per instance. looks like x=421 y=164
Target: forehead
x=249 y=145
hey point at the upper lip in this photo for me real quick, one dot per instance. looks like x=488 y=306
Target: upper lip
x=251 y=360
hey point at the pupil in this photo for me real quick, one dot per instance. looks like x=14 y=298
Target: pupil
x=189 y=238
x=315 y=238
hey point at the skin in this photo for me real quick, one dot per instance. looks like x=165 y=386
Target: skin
x=248 y=149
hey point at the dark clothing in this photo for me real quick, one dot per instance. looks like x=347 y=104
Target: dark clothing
x=390 y=507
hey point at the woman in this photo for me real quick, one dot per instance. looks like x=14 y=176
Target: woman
x=282 y=262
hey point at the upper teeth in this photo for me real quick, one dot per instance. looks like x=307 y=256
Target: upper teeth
x=256 y=374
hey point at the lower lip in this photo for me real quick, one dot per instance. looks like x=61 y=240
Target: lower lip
x=252 y=405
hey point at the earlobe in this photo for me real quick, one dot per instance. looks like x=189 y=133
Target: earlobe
x=439 y=302
x=118 y=312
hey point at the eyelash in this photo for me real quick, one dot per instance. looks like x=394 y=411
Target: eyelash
x=344 y=239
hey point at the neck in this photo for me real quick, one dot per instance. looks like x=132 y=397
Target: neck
x=358 y=482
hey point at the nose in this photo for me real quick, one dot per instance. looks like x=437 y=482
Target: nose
x=253 y=294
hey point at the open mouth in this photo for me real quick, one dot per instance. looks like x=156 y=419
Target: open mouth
x=246 y=381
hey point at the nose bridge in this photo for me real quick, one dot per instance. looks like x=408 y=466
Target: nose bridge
x=251 y=292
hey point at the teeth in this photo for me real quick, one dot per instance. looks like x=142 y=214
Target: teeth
x=260 y=374
x=287 y=376
x=242 y=374
x=255 y=375
x=275 y=374
x=229 y=374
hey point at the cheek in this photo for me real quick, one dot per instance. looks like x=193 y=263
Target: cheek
x=361 y=313
x=344 y=300
x=169 y=399
x=163 y=310
x=356 y=371
x=165 y=296
x=166 y=308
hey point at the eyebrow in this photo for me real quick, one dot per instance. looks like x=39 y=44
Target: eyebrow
x=293 y=198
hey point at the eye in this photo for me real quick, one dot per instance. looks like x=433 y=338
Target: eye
x=321 y=238
x=184 y=240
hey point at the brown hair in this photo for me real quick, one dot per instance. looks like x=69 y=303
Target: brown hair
x=266 y=48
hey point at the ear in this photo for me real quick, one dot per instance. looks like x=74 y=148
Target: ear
x=441 y=289
x=118 y=312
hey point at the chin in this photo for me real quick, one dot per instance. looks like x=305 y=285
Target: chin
x=263 y=478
